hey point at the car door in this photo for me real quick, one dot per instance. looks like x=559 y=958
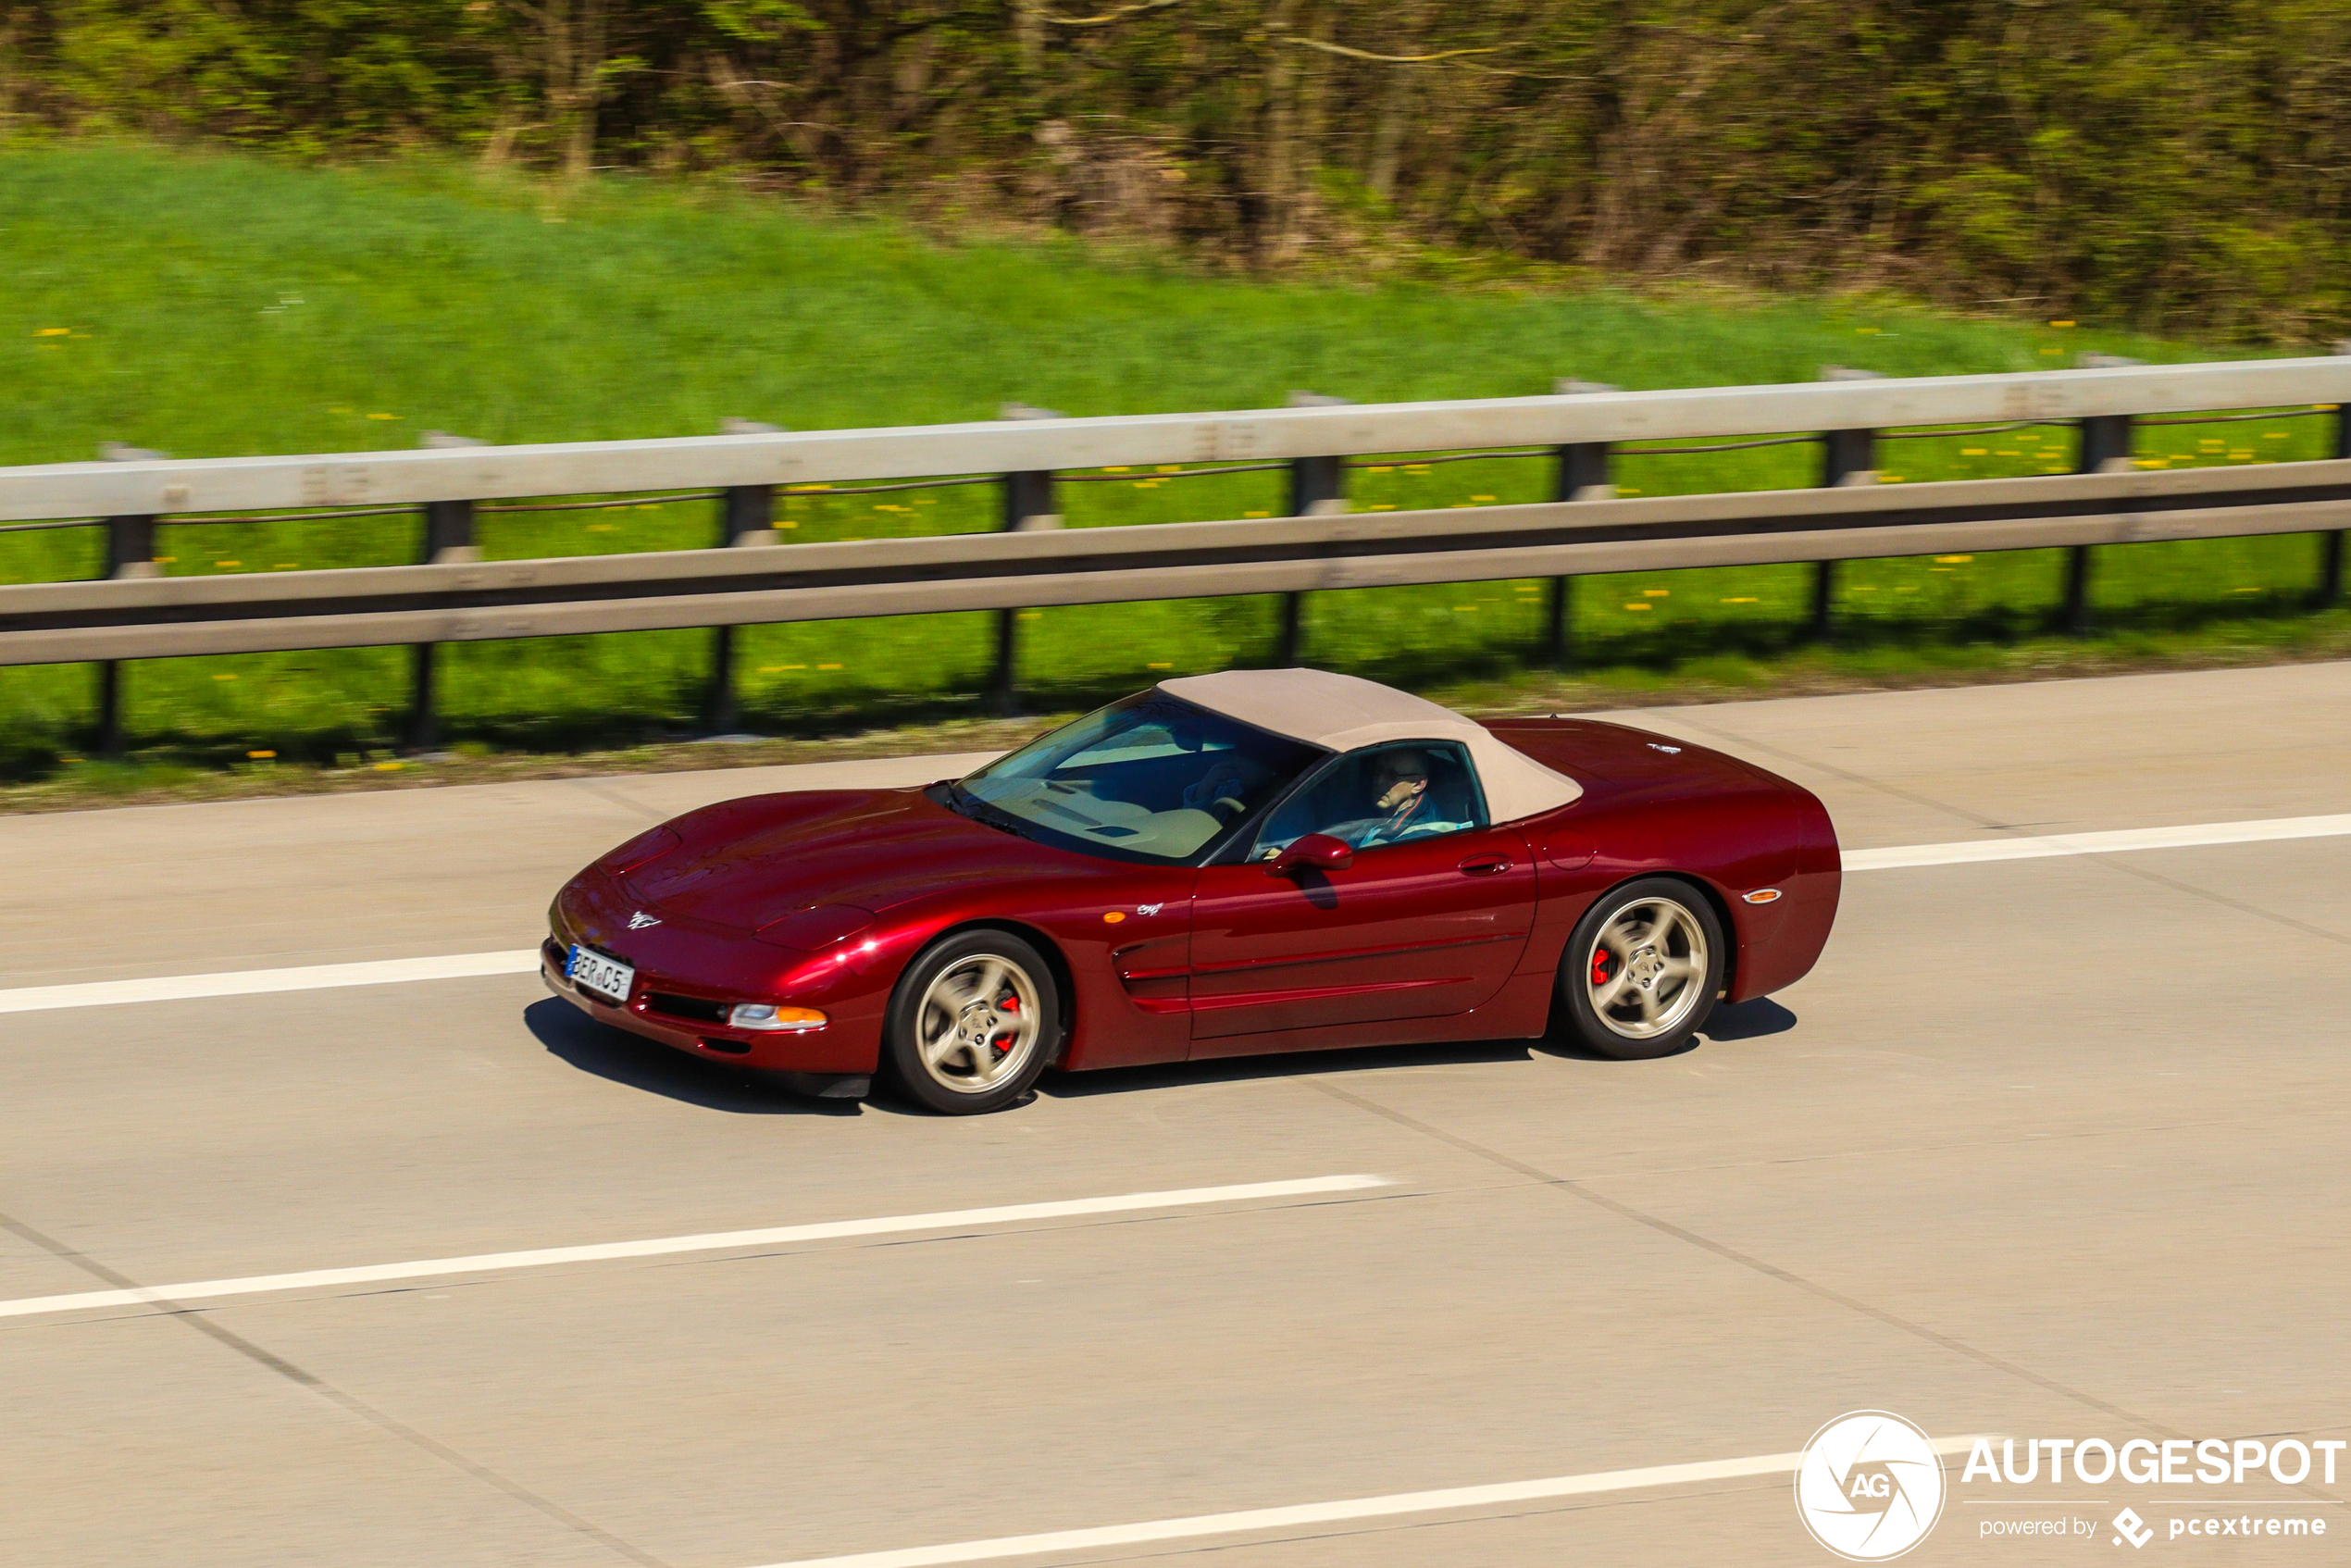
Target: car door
x=1426 y=926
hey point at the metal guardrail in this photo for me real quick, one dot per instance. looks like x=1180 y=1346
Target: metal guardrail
x=453 y=597
x=484 y=473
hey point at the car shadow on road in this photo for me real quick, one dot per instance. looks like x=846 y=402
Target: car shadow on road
x=643 y=1064
x=1748 y=1020
x=1727 y=1023
x=1293 y=1063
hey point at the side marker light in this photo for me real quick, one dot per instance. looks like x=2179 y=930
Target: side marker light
x=1763 y=895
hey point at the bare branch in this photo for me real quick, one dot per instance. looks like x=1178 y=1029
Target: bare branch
x=1116 y=14
x=1385 y=59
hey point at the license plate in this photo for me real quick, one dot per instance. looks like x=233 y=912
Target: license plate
x=607 y=977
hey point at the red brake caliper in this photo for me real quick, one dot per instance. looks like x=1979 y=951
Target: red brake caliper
x=1599 y=966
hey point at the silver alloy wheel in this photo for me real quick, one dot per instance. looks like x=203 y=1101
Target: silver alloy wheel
x=1647 y=971
x=979 y=1022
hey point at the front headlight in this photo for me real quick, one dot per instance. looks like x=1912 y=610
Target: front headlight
x=765 y=1016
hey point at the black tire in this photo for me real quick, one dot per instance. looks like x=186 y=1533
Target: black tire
x=1662 y=992
x=947 y=990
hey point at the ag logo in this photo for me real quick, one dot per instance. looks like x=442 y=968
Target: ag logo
x=1870 y=1486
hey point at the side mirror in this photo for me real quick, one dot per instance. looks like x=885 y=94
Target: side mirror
x=1315 y=852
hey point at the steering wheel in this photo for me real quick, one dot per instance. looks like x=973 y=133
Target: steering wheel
x=1231 y=808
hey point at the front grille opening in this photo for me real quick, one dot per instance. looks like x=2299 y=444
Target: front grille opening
x=699 y=1009
x=731 y=1047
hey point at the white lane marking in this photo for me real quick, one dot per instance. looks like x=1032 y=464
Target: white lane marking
x=523 y=961
x=1974 y=849
x=1327 y=1512
x=260 y=982
x=664 y=1246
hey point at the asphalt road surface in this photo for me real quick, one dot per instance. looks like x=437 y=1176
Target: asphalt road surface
x=2046 y=1147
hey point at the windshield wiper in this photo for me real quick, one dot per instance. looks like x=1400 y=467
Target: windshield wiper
x=964 y=804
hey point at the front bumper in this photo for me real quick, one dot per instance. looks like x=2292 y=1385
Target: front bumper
x=843 y=1046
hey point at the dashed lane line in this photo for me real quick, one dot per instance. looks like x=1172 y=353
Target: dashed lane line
x=170 y=1297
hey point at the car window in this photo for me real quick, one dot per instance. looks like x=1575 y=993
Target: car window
x=1381 y=795
x=1151 y=777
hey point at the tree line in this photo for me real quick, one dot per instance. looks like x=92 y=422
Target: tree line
x=2169 y=163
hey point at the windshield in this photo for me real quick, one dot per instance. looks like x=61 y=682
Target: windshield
x=1148 y=778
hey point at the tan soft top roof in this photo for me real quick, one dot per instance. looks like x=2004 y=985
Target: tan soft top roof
x=1344 y=712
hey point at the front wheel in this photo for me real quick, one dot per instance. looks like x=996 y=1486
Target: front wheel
x=1641 y=971
x=972 y=1022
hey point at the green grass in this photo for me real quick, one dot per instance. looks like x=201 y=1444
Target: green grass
x=213 y=305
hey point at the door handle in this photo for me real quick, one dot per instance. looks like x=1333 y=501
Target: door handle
x=1485 y=865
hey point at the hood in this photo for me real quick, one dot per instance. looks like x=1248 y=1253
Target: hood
x=746 y=864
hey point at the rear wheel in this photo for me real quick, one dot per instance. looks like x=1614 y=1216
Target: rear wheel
x=972 y=1022
x=1641 y=971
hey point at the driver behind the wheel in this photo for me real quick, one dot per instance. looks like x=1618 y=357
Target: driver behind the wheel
x=1394 y=804
x=1399 y=794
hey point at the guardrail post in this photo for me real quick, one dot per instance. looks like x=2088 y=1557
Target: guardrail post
x=1317 y=489
x=449 y=536
x=1028 y=506
x=131 y=552
x=1846 y=457
x=2331 y=542
x=2104 y=448
x=746 y=520
x=1583 y=475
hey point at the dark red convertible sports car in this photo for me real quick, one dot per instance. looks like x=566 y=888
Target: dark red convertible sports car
x=1225 y=864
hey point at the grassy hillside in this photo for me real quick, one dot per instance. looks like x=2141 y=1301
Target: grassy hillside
x=211 y=305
